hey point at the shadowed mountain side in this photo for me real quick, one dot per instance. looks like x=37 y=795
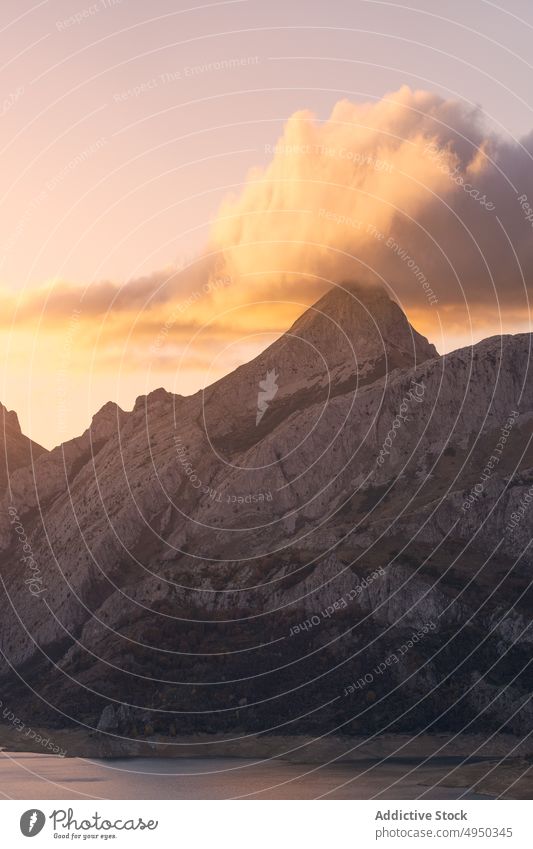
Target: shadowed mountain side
x=16 y=450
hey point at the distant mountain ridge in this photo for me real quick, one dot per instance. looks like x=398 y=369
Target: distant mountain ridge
x=181 y=542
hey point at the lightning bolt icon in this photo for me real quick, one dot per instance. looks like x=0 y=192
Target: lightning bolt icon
x=33 y=820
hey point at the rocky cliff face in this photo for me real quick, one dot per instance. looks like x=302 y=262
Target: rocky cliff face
x=16 y=450
x=336 y=534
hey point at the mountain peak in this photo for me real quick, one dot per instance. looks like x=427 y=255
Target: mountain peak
x=9 y=420
x=106 y=421
x=363 y=323
x=154 y=398
x=352 y=336
x=16 y=450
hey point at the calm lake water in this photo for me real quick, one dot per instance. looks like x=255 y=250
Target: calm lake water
x=35 y=776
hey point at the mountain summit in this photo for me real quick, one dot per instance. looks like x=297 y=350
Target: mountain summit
x=362 y=326
x=353 y=335
x=16 y=450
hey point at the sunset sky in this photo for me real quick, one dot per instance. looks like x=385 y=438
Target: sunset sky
x=181 y=179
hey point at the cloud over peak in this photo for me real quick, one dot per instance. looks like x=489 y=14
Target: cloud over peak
x=412 y=191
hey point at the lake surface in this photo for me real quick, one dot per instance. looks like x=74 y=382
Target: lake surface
x=35 y=776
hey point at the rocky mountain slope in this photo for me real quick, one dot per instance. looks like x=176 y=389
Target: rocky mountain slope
x=16 y=450
x=336 y=535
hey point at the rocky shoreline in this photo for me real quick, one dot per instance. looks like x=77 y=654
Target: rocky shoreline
x=501 y=767
x=80 y=743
